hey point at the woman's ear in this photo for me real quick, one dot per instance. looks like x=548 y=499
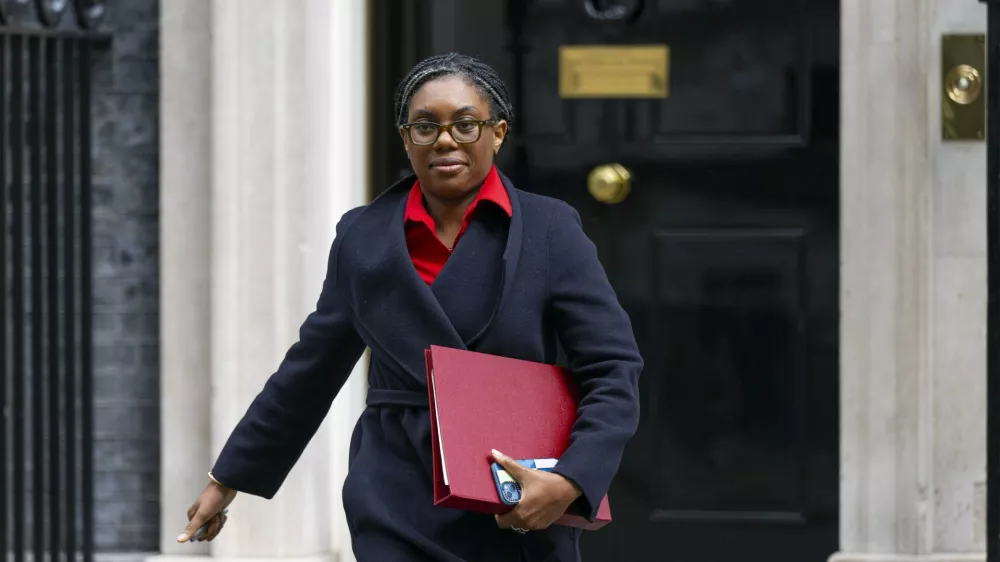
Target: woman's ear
x=499 y=132
x=402 y=136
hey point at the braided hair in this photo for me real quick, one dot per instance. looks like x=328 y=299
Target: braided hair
x=474 y=71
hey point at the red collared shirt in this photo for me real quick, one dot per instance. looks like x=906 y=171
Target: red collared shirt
x=427 y=251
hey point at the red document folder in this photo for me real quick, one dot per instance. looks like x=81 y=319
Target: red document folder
x=480 y=402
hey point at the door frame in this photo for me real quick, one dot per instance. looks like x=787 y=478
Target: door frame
x=993 y=284
x=393 y=49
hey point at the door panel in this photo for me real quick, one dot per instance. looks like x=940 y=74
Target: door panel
x=724 y=253
x=744 y=65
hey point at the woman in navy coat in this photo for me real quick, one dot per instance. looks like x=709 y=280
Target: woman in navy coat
x=454 y=256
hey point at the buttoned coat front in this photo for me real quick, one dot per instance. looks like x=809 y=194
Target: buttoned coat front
x=516 y=286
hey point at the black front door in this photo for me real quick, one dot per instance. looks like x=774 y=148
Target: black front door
x=724 y=250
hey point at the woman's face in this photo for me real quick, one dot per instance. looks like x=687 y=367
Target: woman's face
x=447 y=169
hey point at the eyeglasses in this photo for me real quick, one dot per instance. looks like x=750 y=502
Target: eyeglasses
x=466 y=131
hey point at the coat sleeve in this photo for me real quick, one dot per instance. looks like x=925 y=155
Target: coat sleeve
x=597 y=336
x=285 y=415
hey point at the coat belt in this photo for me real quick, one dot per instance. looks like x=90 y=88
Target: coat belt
x=383 y=397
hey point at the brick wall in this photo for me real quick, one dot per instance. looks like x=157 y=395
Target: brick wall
x=126 y=308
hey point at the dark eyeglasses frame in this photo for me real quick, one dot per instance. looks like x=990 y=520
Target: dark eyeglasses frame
x=479 y=134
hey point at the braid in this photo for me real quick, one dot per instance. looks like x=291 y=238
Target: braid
x=475 y=71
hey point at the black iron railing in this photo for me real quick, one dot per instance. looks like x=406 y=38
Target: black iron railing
x=46 y=398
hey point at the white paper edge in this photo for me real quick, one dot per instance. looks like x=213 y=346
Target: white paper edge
x=437 y=420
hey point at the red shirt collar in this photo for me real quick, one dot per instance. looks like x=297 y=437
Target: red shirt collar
x=492 y=190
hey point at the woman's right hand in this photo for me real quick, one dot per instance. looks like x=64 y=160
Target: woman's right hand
x=208 y=508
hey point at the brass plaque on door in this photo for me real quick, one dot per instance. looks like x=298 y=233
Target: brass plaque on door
x=963 y=95
x=619 y=71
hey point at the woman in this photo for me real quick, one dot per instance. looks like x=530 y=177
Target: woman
x=457 y=257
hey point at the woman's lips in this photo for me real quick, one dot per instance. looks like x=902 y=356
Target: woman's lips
x=448 y=166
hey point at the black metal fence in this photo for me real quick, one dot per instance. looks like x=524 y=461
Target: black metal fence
x=46 y=398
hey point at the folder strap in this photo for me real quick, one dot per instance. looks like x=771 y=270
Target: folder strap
x=386 y=398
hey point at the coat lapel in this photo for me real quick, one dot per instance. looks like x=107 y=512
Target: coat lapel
x=513 y=251
x=395 y=308
x=478 y=275
x=468 y=288
x=399 y=314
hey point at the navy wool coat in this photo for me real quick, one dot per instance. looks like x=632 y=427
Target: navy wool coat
x=515 y=286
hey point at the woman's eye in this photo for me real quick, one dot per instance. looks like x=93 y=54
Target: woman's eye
x=426 y=128
x=465 y=127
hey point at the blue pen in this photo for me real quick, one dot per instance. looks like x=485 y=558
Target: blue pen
x=201 y=530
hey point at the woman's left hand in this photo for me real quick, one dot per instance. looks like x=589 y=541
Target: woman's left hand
x=545 y=496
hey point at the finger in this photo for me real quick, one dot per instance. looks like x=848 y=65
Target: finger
x=510 y=519
x=214 y=528
x=222 y=524
x=510 y=465
x=196 y=521
x=211 y=529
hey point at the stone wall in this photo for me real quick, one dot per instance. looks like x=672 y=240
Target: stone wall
x=126 y=278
